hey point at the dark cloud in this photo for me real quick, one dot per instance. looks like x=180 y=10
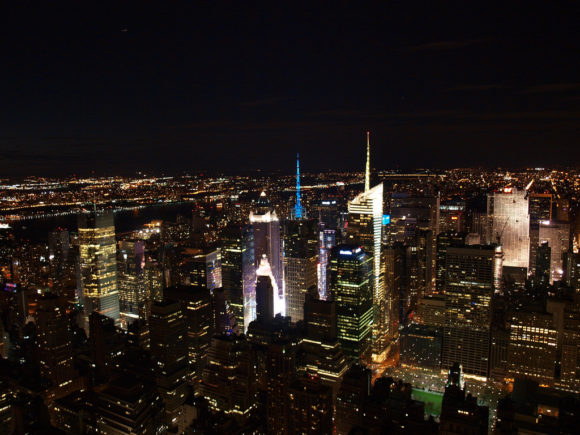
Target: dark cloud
x=475 y=88
x=443 y=45
x=552 y=88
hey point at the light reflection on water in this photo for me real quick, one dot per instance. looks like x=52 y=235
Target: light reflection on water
x=37 y=230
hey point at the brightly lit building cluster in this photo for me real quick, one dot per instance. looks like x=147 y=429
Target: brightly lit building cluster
x=98 y=264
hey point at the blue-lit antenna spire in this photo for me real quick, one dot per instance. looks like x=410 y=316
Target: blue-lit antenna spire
x=298 y=206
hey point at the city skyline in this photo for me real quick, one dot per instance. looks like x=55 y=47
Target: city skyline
x=282 y=219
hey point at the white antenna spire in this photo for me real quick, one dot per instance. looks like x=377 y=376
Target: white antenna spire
x=368 y=168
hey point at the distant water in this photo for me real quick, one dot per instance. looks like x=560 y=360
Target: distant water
x=36 y=230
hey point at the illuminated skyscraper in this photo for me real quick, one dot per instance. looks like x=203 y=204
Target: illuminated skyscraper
x=365 y=224
x=205 y=267
x=98 y=264
x=238 y=271
x=300 y=261
x=540 y=210
x=532 y=351
x=328 y=216
x=298 y=206
x=472 y=276
x=451 y=216
x=133 y=296
x=510 y=223
x=351 y=275
x=557 y=234
x=266 y=230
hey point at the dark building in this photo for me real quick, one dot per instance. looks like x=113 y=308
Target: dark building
x=533 y=409
x=543 y=259
x=264 y=299
x=322 y=354
x=352 y=398
x=229 y=380
x=572 y=269
x=444 y=241
x=105 y=345
x=168 y=334
x=460 y=413
x=310 y=407
x=280 y=372
x=197 y=309
x=55 y=351
x=421 y=346
x=129 y=405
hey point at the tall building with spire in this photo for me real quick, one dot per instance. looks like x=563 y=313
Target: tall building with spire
x=298 y=206
x=368 y=167
x=300 y=248
x=98 y=264
x=365 y=223
x=300 y=264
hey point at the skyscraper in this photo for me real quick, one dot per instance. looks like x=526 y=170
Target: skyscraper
x=266 y=293
x=98 y=264
x=445 y=240
x=543 y=260
x=196 y=307
x=365 y=224
x=328 y=216
x=540 y=210
x=557 y=234
x=266 y=230
x=321 y=351
x=532 y=350
x=351 y=272
x=205 y=267
x=133 y=295
x=229 y=382
x=310 y=407
x=54 y=345
x=238 y=271
x=510 y=223
x=298 y=206
x=61 y=263
x=300 y=261
x=472 y=276
x=169 y=350
x=572 y=269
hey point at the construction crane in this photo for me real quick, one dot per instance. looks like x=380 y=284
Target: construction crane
x=500 y=234
x=527 y=189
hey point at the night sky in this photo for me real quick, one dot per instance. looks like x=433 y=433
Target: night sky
x=243 y=85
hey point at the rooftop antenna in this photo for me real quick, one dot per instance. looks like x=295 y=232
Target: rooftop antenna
x=368 y=168
x=298 y=206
